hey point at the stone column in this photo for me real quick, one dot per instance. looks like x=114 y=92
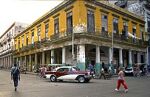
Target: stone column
x=30 y=64
x=35 y=61
x=130 y=58
x=21 y=59
x=43 y=58
x=63 y=55
x=138 y=57
x=98 y=65
x=81 y=57
x=120 y=58
x=25 y=62
x=52 y=56
x=110 y=55
x=146 y=56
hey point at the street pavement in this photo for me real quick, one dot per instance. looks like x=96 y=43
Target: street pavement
x=34 y=86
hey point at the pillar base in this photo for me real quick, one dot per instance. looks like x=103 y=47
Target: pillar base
x=81 y=66
x=98 y=68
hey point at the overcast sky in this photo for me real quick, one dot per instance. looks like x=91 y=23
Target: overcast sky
x=26 y=11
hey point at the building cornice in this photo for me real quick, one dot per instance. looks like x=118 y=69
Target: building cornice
x=116 y=9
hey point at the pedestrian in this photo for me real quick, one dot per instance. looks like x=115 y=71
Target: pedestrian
x=121 y=80
x=102 y=71
x=91 y=68
x=15 y=75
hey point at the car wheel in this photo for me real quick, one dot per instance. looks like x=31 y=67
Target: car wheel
x=81 y=79
x=53 y=78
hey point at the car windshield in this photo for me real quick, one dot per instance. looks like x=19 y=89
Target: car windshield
x=75 y=69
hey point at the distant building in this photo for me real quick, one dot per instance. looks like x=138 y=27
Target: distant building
x=7 y=43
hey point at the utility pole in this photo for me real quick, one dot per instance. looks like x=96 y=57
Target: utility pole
x=73 y=56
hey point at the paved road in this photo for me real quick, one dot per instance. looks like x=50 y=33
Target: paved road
x=33 y=86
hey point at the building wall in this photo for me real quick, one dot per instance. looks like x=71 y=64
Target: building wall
x=79 y=10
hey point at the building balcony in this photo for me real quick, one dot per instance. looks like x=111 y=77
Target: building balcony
x=55 y=36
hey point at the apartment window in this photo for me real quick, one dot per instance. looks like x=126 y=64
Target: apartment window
x=9 y=45
x=56 y=26
x=46 y=30
x=134 y=30
x=27 y=39
x=90 y=21
x=115 y=26
x=142 y=33
x=104 y=23
x=39 y=33
x=69 y=22
x=22 y=40
x=15 y=45
x=18 y=43
x=134 y=33
x=125 y=28
x=32 y=37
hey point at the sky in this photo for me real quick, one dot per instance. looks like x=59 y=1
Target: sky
x=26 y=11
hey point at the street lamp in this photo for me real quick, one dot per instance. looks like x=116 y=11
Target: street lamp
x=73 y=56
x=112 y=44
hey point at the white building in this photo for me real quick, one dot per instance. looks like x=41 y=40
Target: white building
x=7 y=43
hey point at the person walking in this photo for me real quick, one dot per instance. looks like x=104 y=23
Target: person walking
x=103 y=71
x=121 y=80
x=15 y=75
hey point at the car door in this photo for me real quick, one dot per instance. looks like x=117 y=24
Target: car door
x=61 y=72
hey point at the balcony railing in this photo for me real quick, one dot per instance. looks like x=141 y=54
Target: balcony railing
x=55 y=36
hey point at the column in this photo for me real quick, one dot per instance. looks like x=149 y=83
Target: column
x=110 y=55
x=120 y=58
x=63 y=55
x=81 y=56
x=130 y=58
x=35 y=59
x=21 y=59
x=25 y=62
x=30 y=64
x=146 y=56
x=138 y=57
x=52 y=56
x=98 y=65
x=8 y=61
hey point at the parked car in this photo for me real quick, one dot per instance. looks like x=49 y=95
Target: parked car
x=129 y=71
x=68 y=73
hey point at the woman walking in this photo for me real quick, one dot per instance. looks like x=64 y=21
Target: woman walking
x=121 y=80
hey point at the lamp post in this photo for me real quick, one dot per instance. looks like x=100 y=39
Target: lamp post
x=73 y=48
x=112 y=46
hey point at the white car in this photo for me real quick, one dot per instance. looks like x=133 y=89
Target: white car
x=129 y=71
x=68 y=73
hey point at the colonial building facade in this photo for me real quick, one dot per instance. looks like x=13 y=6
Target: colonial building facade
x=141 y=8
x=80 y=32
x=7 y=43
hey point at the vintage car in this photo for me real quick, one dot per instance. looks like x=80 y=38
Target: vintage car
x=68 y=73
x=129 y=71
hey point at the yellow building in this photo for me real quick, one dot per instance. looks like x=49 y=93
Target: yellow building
x=82 y=32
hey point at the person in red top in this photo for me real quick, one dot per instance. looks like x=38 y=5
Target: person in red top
x=121 y=80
